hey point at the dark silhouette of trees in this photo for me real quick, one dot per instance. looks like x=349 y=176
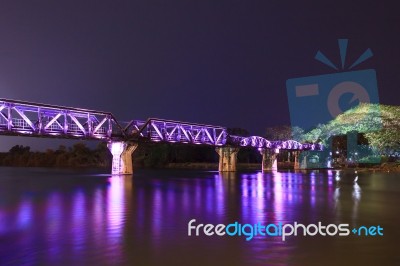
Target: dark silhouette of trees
x=79 y=155
x=148 y=155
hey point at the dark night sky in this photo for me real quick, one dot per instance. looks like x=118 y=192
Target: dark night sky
x=216 y=62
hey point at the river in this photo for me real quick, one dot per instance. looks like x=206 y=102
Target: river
x=86 y=217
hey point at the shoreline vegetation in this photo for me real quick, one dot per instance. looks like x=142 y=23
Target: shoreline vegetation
x=149 y=155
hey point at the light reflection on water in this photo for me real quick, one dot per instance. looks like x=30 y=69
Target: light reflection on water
x=121 y=220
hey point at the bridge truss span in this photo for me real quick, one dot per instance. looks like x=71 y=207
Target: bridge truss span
x=262 y=143
x=157 y=130
x=33 y=119
x=252 y=141
x=42 y=120
x=295 y=145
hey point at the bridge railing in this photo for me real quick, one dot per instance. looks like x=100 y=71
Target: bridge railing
x=23 y=118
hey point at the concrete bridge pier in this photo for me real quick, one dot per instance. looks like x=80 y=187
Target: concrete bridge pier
x=269 y=159
x=122 y=157
x=296 y=155
x=303 y=158
x=227 y=158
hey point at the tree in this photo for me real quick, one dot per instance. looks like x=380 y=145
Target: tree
x=19 y=149
x=284 y=132
x=380 y=125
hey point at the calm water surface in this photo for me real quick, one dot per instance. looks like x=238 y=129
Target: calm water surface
x=64 y=217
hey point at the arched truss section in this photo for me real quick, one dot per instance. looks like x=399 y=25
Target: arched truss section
x=288 y=145
x=295 y=145
x=312 y=146
x=256 y=142
x=262 y=143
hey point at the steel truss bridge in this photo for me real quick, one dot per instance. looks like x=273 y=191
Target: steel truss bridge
x=20 y=118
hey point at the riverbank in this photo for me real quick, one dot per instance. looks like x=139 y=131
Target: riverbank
x=239 y=166
x=384 y=167
x=211 y=166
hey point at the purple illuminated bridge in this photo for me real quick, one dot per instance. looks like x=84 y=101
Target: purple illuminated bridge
x=19 y=118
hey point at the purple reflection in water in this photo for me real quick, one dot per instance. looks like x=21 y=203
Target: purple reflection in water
x=261 y=200
x=157 y=212
x=143 y=219
x=220 y=191
x=25 y=214
x=3 y=221
x=115 y=209
x=209 y=190
x=312 y=190
x=98 y=217
x=78 y=221
x=279 y=201
x=54 y=217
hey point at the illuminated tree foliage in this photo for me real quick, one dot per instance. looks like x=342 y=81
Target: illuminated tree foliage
x=379 y=123
x=284 y=132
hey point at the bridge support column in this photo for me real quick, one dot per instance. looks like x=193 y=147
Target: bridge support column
x=269 y=159
x=122 y=157
x=296 y=160
x=303 y=160
x=227 y=158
